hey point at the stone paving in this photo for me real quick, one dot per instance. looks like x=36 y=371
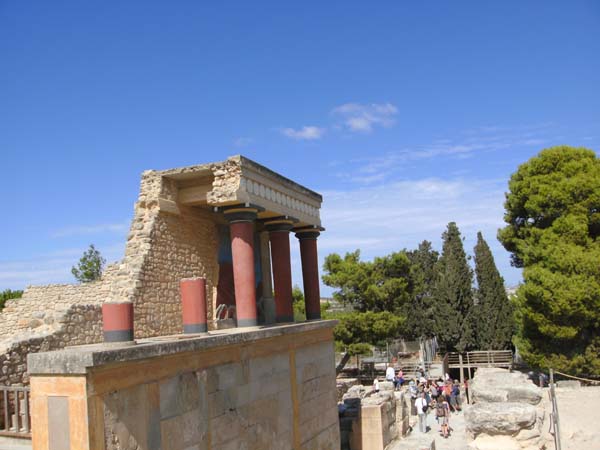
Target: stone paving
x=7 y=443
x=417 y=440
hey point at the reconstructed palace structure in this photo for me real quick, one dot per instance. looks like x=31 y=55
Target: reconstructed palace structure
x=256 y=380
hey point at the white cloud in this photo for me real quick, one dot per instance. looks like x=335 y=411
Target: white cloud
x=242 y=141
x=91 y=229
x=308 y=133
x=374 y=169
x=361 y=118
x=385 y=218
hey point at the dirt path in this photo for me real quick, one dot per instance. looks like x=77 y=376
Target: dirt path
x=579 y=429
x=456 y=441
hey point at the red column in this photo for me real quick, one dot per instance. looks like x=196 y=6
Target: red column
x=242 y=248
x=279 y=235
x=193 y=304
x=117 y=321
x=310 y=272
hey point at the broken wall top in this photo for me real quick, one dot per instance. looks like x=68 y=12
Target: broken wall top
x=237 y=180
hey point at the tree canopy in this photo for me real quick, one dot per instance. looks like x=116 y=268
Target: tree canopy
x=494 y=324
x=553 y=223
x=358 y=331
x=381 y=285
x=90 y=266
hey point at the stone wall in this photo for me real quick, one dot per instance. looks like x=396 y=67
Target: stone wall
x=183 y=246
x=78 y=325
x=254 y=390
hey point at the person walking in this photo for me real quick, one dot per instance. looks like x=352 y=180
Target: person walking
x=412 y=390
x=399 y=379
x=421 y=406
x=455 y=396
x=443 y=415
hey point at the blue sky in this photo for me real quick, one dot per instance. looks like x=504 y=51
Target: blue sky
x=405 y=116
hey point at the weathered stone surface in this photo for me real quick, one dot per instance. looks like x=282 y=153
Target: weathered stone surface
x=343 y=384
x=355 y=392
x=499 y=418
x=500 y=385
x=77 y=360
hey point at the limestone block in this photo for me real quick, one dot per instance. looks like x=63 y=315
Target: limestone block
x=499 y=418
x=500 y=385
x=188 y=430
x=180 y=394
x=132 y=418
x=358 y=391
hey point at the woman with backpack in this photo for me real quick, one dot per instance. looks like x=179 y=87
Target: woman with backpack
x=442 y=411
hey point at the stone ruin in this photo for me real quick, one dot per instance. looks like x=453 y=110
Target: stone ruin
x=372 y=420
x=509 y=412
x=180 y=229
x=190 y=341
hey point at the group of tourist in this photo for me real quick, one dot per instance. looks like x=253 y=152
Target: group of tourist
x=441 y=396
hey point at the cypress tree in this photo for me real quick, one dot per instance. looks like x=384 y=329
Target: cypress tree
x=421 y=312
x=453 y=295
x=494 y=326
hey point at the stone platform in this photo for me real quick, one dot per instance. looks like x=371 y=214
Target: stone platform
x=253 y=388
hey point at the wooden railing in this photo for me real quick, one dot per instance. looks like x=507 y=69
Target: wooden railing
x=15 y=419
x=489 y=358
x=474 y=360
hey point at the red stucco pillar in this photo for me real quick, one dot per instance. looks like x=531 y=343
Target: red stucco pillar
x=279 y=235
x=241 y=226
x=117 y=321
x=310 y=271
x=193 y=304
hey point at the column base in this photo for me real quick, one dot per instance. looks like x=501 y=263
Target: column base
x=118 y=335
x=247 y=322
x=284 y=319
x=195 y=328
x=313 y=316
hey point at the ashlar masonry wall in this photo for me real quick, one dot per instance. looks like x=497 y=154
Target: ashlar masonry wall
x=272 y=388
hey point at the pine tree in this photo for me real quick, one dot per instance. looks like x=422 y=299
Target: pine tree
x=453 y=295
x=553 y=233
x=494 y=326
x=90 y=266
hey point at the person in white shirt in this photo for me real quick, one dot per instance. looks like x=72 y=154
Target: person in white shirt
x=421 y=405
x=390 y=374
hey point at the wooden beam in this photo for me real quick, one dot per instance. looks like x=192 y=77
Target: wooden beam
x=195 y=195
